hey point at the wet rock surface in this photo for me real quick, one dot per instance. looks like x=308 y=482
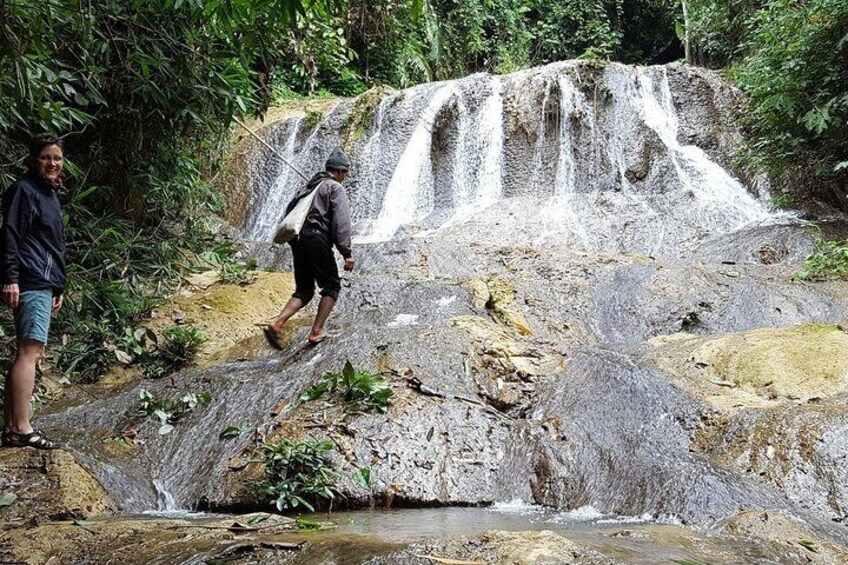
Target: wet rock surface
x=544 y=388
x=41 y=486
x=761 y=537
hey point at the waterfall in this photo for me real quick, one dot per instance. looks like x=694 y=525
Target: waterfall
x=409 y=194
x=706 y=180
x=265 y=206
x=592 y=157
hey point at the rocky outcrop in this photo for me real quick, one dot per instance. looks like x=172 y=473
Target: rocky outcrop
x=48 y=485
x=759 y=368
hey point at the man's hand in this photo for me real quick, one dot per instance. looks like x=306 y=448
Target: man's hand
x=11 y=294
x=57 y=302
x=349 y=264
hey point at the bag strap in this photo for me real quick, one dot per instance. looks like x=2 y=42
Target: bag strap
x=309 y=194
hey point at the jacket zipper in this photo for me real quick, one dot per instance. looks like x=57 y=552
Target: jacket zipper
x=48 y=268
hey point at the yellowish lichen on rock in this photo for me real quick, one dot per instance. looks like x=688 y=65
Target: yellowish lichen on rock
x=49 y=485
x=528 y=548
x=759 y=367
x=497 y=294
x=227 y=314
x=497 y=339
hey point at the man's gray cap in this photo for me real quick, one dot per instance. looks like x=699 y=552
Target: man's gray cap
x=338 y=160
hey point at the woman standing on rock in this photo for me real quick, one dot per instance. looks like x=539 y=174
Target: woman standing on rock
x=33 y=277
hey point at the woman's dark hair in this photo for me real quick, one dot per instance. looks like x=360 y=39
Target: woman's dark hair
x=42 y=140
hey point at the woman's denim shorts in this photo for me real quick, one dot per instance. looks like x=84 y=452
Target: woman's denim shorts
x=32 y=316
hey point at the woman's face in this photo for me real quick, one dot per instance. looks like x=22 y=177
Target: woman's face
x=49 y=162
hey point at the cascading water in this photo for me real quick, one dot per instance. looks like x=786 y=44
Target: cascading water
x=267 y=202
x=408 y=196
x=594 y=159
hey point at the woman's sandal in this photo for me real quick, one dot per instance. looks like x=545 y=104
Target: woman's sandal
x=35 y=438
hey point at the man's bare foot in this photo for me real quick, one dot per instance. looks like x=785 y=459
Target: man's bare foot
x=316 y=338
x=272 y=337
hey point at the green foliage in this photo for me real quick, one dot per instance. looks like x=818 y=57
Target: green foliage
x=222 y=257
x=829 y=260
x=145 y=92
x=782 y=201
x=297 y=474
x=360 y=390
x=789 y=58
x=575 y=28
x=317 y=47
x=362 y=477
x=180 y=348
x=169 y=411
x=797 y=82
x=720 y=28
x=140 y=77
x=231 y=432
x=175 y=352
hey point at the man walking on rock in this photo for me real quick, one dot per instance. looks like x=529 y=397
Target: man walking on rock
x=327 y=225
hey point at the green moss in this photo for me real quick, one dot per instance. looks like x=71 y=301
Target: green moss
x=312 y=119
x=589 y=77
x=361 y=116
x=800 y=362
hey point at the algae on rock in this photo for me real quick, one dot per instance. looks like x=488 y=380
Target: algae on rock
x=758 y=367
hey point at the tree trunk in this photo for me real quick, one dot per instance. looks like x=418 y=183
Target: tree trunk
x=687 y=45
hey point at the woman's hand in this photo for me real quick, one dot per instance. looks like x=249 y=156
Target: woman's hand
x=57 y=302
x=11 y=295
x=349 y=264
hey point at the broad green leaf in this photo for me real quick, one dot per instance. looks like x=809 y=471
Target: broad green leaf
x=348 y=371
x=7 y=498
x=230 y=432
x=362 y=477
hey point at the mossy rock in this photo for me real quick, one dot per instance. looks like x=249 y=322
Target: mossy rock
x=48 y=485
x=227 y=314
x=759 y=367
x=361 y=117
x=497 y=295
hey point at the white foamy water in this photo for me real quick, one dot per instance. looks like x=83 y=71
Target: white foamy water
x=518 y=507
x=166 y=506
x=446 y=301
x=707 y=181
x=268 y=207
x=403 y=320
x=409 y=195
x=596 y=157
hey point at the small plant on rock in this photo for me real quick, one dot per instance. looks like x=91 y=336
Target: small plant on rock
x=177 y=349
x=361 y=390
x=829 y=260
x=231 y=270
x=169 y=411
x=181 y=346
x=297 y=474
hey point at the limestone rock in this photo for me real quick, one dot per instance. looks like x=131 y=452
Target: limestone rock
x=49 y=485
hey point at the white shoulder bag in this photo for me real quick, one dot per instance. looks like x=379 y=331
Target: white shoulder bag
x=291 y=225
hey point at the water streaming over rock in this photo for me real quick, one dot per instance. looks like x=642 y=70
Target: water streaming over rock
x=593 y=155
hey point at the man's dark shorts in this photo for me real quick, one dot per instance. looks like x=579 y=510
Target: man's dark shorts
x=314 y=263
